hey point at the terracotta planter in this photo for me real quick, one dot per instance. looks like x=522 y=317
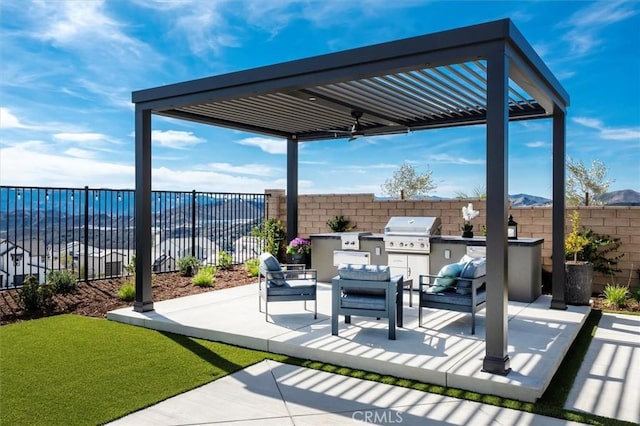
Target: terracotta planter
x=579 y=283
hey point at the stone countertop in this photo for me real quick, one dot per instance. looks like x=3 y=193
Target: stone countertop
x=337 y=235
x=481 y=241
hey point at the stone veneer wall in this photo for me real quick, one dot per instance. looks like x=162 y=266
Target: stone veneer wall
x=369 y=215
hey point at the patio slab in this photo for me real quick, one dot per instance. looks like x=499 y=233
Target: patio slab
x=444 y=353
x=272 y=393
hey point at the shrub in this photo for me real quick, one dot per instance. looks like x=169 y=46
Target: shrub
x=272 y=235
x=127 y=292
x=339 y=224
x=206 y=277
x=32 y=296
x=188 y=265
x=225 y=260
x=596 y=249
x=131 y=267
x=616 y=295
x=252 y=266
x=62 y=282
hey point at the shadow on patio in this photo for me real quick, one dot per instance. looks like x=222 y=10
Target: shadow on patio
x=444 y=353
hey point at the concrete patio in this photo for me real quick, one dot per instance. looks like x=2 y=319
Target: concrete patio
x=444 y=353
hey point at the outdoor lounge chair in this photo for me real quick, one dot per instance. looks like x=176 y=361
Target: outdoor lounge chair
x=366 y=290
x=457 y=287
x=283 y=283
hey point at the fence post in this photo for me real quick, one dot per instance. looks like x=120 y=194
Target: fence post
x=86 y=234
x=193 y=223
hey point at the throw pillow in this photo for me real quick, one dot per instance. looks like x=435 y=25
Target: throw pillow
x=447 y=277
x=476 y=267
x=270 y=264
x=348 y=271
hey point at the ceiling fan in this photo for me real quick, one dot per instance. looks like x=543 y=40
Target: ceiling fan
x=356 y=128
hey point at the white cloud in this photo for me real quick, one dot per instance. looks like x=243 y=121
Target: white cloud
x=271 y=146
x=79 y=153
x=30 y=164
x=609 y=133
x=247 y=169
x=537 y=144
x=177 y=139
x=449 y=159
x=10 y=121
x=79 y=137
x=586 y=24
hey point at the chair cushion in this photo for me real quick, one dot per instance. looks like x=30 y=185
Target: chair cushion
x=363 y=302
x=291 y=288
x=348 y=271
x=476 y=267
x=271 y=264
x=447 y=277
x=450 y=297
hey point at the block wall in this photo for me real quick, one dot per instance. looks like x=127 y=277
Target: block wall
x=369 y=215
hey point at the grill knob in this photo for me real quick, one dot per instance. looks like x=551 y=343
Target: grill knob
x=410 y=244
x=390 y=244
x=421 y=245
x=401 y=244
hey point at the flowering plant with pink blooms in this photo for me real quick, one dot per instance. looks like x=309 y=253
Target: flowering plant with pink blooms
x=299 y=246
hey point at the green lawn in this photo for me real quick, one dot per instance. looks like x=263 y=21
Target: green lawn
x=72 y=370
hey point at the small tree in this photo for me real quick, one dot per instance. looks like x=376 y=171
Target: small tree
x=406 y=183
x=575 y=241
x=479 y=192
x=585 y=186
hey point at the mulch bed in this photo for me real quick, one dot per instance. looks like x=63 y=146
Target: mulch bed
x=96 y=298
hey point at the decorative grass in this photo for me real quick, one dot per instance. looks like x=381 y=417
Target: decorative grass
x=71 y=370
x=77 y=370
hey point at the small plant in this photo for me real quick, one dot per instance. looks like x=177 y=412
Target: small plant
x=575 y=241
x=252 y=266
x=272 y=235
x=32 y=296
x=127 y=292
x=339 y=224
x=468 y=214
x=206 y=277
x=225 y=260
x=62 y=282
x=188 y=266
x=299 y=246
x=616 y=295
x=131 y=267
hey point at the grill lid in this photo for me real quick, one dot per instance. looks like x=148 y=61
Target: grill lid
x=410 y=225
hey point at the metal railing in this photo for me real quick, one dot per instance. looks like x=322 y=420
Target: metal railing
x=91 y=231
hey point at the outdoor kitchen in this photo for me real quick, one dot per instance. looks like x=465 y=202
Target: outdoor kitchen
x=404 y=246
x=414 y=246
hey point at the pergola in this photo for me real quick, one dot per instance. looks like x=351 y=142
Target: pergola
x=481 y=74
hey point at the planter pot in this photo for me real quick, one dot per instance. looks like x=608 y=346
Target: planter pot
x=303 y=258
x=579 y=283
x=467 y=234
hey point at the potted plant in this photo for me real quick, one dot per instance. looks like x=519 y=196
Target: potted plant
x=468 y=213
x=579 y=274
x=299 y=250
x=339 y=224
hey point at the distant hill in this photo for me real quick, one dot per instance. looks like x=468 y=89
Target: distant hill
x=525 y=200
x=625 y=197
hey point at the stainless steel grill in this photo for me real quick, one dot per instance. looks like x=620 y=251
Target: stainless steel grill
x=407 y=234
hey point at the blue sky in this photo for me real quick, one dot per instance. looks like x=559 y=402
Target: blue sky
x=67 y=70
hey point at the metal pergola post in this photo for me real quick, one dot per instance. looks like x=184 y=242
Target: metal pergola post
x=292 y=189
x=557 y=250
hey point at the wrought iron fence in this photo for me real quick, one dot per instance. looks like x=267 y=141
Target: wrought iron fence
x=91 y=231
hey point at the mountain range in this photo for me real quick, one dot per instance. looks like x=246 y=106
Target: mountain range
x=625 y=197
